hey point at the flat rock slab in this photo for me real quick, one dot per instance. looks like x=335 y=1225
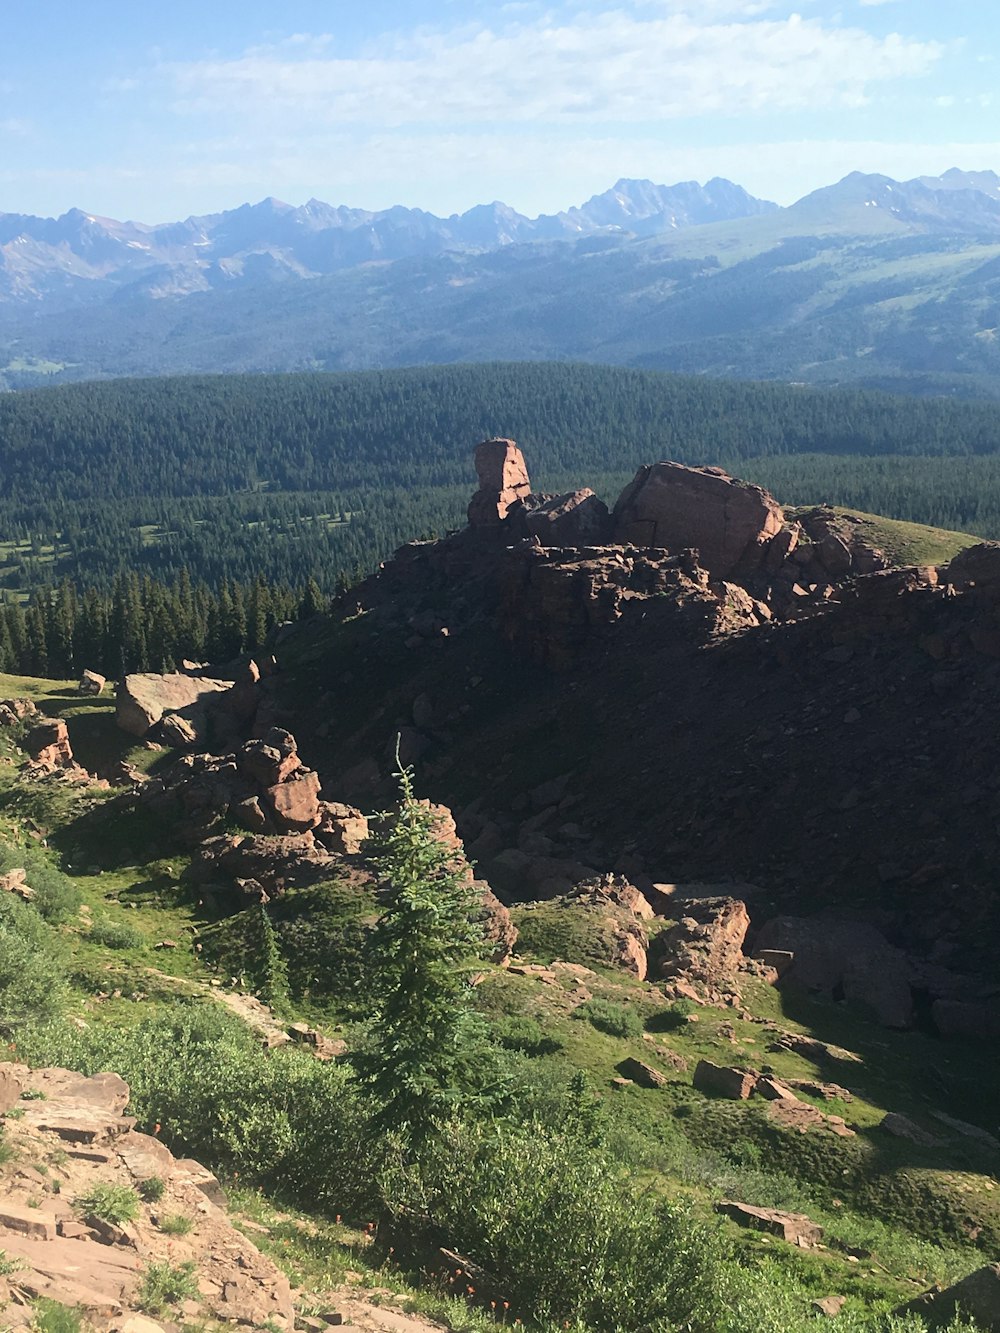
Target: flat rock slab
x=795 y=1228
x=27 y=1221
x=76 y=1125
x=75 y=1272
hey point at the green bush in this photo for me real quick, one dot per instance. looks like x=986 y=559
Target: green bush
x=520 y=1033
x=116 y=1204
x=32 y=982
x=56 y=896
x=165 y=1284
x=51 y=1317
x=175 y=1224
x=115 y=934
x=573 y=1235
x=151 y=1189
x=281 y=1119
x=617 y=1020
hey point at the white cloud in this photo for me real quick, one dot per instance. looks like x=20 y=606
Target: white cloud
x=606 y=67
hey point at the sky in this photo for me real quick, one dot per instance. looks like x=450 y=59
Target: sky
x=156 y=112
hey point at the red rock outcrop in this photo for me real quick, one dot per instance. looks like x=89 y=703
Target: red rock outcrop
x=503 y=479
x=577 y=518
x=705 y=947
x=76 y=1129
x=143 y=698
x=728 y=522
x=48 y=745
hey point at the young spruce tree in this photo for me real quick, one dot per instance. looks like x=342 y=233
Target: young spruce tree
x=426 y=1059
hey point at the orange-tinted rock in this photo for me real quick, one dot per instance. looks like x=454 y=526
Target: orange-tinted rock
x=795 y=1228
x=675 y=507
x=706 y=944
x=721 y=1081
x=48 y=745
x=503 y=479
x=293 y=805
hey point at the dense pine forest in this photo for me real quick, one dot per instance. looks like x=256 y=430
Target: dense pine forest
x=300 y=483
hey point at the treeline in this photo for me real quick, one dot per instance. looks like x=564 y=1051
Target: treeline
x=144 y=625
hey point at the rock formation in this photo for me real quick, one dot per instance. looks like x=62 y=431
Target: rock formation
x=503 y=479
x=264 y=787
x=704 y=948
x=144 y=698
x=91 y=682
x=727 y=522
x=75 y=1128
x=844 y=960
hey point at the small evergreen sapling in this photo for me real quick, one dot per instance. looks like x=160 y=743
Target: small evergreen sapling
x=426 y=1057
x=271 y=969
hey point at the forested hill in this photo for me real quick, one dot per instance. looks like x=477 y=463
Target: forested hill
x=299 y=476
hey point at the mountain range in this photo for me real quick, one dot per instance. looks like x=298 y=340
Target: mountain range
x=869 y=280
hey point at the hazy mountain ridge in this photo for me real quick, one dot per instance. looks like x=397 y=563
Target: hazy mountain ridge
x=38 y=255
x=869 y=281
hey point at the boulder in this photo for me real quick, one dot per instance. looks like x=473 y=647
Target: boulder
x=902 y=1127
x=342 y=828
x=143 y=698
x=499 y=930
x=977 y=565
x=13 y=711
x=728 y=522
x=795 y=1228
x=705 y=946
x=271 y=759
x=293 y=805
x=720 y=1081
x=577 y=518
x=503 y=479
x=91 y=683
x=977 y=1297
x=637 y=1071
x=181 y=733
x=848 y=960
x=48 y=745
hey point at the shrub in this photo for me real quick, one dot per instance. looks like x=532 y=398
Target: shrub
x=175 y=1224
x=115 y=934
x=574 y=1236
x=519 y=1033
x=56 y=896
x=281 y=1119
x=166 y=1284
x=617 y=1020
x=51 y=1317
x=116 y=1204
x=151 y=1189
x=32 y=984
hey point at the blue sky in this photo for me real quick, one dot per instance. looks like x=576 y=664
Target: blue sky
x=157 y=112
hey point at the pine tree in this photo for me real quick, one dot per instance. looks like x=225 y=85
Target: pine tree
x=269 y=966
x=426 y=1058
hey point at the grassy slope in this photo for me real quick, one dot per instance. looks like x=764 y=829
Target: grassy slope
x=905 y=543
